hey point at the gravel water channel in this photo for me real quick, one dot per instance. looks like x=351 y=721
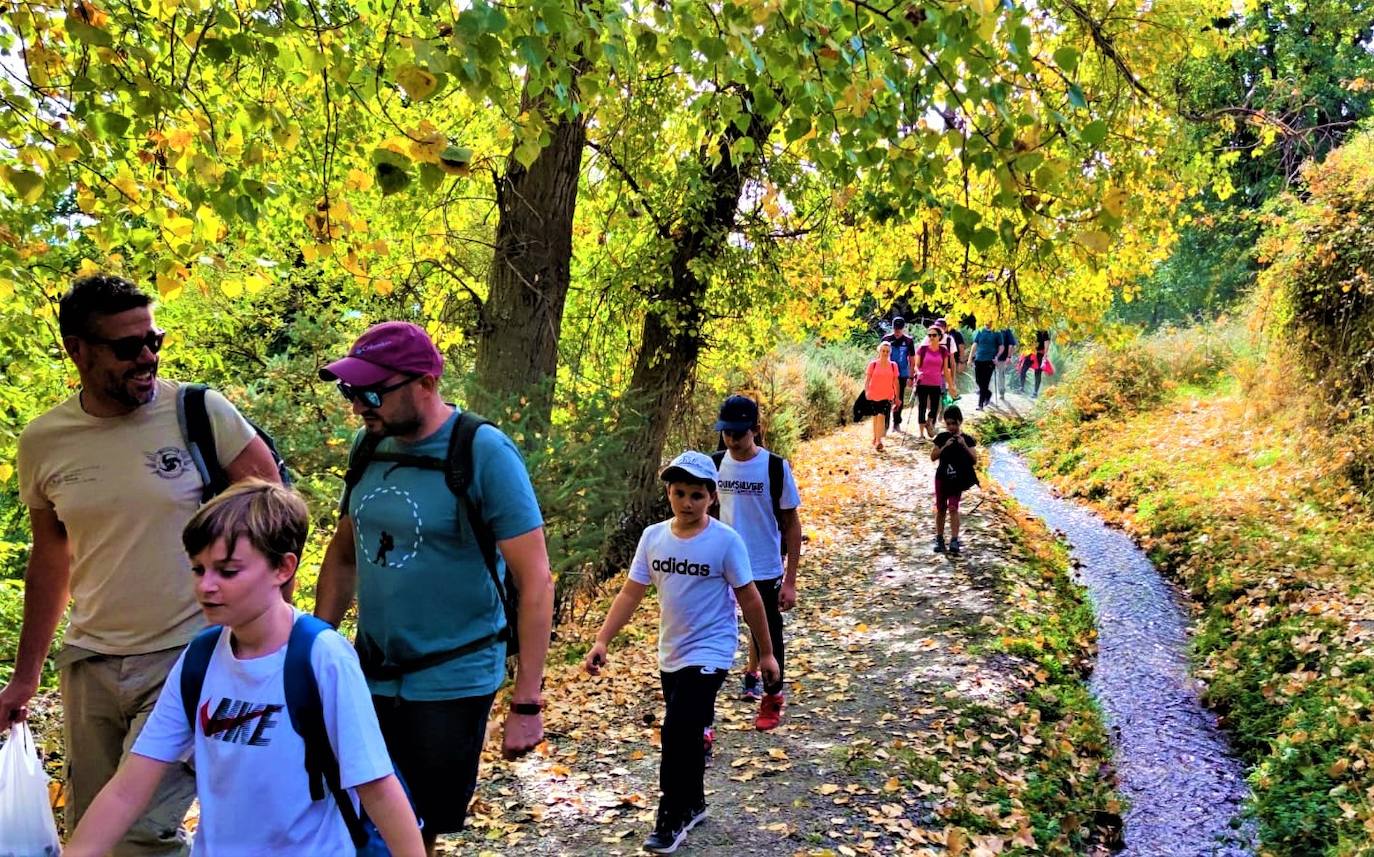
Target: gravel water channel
x=1185 y=788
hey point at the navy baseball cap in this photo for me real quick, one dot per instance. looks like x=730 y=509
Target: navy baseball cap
x=737 y=413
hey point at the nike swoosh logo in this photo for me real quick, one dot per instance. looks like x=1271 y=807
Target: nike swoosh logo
x=214 y=725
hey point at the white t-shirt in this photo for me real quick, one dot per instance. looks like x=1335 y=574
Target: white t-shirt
x=696 y=580
x=250 y=762
x=746 y=504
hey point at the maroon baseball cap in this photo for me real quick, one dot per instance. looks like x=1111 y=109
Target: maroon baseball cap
x=384 y=350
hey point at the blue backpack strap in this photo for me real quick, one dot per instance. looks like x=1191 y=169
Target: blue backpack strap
x=306 y=710
x=193 y=668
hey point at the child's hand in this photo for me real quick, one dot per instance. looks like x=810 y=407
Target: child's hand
x=768 y=665
x=595 y=659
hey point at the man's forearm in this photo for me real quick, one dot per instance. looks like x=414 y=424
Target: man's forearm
x=45 y=600
x=536 y=625
x=334 y=590
x=751 y=606
x=792 y=538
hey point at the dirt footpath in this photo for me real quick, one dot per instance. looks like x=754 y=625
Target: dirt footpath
x=917 y=718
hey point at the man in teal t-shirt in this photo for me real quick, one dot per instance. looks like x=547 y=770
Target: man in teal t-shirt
x=424 y=591
x=986 y=345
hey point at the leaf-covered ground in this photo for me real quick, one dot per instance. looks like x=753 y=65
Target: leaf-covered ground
x=935 y=706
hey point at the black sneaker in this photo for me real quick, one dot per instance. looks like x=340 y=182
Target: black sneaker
x=939 y=546
x=954 y=547
x=694 y=817
x=670 y=831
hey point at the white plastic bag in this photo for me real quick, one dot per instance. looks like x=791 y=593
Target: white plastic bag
x=26 y=824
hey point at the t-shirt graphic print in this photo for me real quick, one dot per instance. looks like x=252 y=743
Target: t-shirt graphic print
x=250 y=761
x=422 y=584
x=695 y=579
x=746 y=504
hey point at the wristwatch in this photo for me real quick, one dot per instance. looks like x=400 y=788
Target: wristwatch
x=527 y=707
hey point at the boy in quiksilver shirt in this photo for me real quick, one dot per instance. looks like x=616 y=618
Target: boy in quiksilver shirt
x=700 y=567
x=250 y=762
x=765 y=516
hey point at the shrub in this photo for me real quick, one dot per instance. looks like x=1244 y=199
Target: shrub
x=803 y=392
x=1114 y=381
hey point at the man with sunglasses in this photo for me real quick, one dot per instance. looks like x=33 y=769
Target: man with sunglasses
x=904 y=355
x=429 y=615
x=759 y=499
x=109 y=484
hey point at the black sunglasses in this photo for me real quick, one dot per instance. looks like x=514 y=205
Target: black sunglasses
x=736 y=432
x=371 y=396
x=129 y=347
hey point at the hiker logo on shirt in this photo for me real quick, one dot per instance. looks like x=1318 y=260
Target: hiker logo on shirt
x=238 y=721
x=393 y=538
x=169 y=462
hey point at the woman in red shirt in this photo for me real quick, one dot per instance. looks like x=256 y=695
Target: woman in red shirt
x=880 y=387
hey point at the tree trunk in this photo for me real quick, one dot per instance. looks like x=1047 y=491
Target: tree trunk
x=672 y=334
x=517 y=350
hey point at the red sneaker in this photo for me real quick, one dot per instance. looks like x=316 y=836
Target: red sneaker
x=770 y=712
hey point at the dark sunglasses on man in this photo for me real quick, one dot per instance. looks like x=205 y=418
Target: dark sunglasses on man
x=130 y=347
x=371 y=396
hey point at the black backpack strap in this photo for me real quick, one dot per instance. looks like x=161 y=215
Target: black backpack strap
x=306 y=710
x=194 y=665
x=199 y=435
x=776 y=478
x=358 y=460
x=718 y=457
x=458 y=474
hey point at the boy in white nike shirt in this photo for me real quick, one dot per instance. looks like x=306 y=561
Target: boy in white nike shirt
x=700 y=567
x=250 y=762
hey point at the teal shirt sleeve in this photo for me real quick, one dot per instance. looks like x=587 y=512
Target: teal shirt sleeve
x=502 y=484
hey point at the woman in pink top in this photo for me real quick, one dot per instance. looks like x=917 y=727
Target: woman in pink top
x=934 y=364
x=880 y=387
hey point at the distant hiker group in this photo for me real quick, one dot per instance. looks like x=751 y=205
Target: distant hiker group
x=158 y=509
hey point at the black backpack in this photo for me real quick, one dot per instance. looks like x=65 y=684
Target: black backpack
x=199 y=435
x=457 y=470
x=775 y=480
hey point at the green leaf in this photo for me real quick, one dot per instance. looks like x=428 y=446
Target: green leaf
x=455 y=160
x=390 y=157
x=216 y=50
x=391 y=178
x=1067 y=59
x=526 y=153
x=1094 y=133
x=1076 y=97
x=88 y=34
x=431 y=177
x=983 y=238
x=27 y=183
x=107 y=125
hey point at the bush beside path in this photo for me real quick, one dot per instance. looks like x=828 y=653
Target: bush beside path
x=934 y=706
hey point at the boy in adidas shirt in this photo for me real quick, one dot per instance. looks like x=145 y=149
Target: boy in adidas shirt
x=250 y=762
x=747 y=504
x=700 y=567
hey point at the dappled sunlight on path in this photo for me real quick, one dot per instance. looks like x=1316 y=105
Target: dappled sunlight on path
x=886 y=650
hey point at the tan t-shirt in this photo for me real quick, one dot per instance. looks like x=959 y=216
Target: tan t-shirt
x=125 y=487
